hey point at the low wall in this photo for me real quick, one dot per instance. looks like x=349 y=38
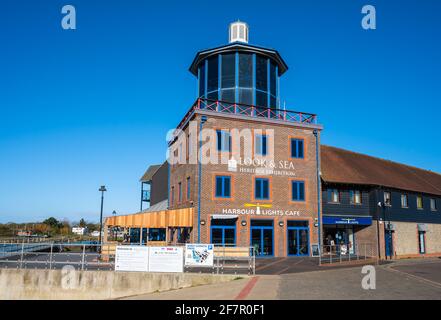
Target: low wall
x=72 y=284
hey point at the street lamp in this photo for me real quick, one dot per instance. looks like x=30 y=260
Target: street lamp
x=115 y=229
x=102 y=190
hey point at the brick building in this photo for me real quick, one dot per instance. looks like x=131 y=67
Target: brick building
x=242 y=171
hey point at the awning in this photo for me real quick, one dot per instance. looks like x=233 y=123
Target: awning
x=224 y=216
x=347 y=220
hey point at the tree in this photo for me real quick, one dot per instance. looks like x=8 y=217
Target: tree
x=53 y=223
x=82 y=223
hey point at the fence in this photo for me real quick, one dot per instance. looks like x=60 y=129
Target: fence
x=92 y=256
x=346 y=253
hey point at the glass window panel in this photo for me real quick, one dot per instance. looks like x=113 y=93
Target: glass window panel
x=227 y=187
x=245 y=70
x=213 y=95
x=300 y=148
x=216 y=236
x=265 y=189
x=213 y=74
x=202 y=80
x=228 y=95
x=229 y=236
x=218 y=186
x=301 y=191
x=273 y=102
x=258 y=189
x=261 y=99
x=228 y=73
x=246 y=96
x=273 y=79
x=261 y=73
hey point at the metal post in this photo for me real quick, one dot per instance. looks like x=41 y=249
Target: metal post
x=50 y=256
x=22 y=253
x=83 y=257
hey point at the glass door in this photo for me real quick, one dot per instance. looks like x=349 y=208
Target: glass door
x=262 y=237
x=298 y=241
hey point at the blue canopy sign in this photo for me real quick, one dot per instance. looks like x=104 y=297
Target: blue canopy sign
x=361 y=221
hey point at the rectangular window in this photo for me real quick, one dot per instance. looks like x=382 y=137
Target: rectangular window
x=223 y=141
x=179 y=192
x=297 y=190
x=188 y=188
x=172 y=197
x=261 y=189
x=297 y=148
x=387 y=198
x=223 y=232
x=223 y=187
x=228 y=74
x=419 y=202
x=261 y=147
x=404 y=201
x=333 y=196
x=355 y=196
x=213 y=74
x=433 y=204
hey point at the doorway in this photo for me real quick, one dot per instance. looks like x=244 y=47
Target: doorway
x=298 y=238
x=262 y=237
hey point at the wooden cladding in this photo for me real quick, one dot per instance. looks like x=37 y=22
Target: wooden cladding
x=159 y=219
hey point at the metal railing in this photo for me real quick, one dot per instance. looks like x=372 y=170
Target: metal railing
x=92 y=256
x=250 y=111
x=346 y=253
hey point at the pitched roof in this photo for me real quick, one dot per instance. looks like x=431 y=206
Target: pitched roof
x=342 y=166
x=149 y=173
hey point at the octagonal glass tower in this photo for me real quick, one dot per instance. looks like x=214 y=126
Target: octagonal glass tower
x=239 y=72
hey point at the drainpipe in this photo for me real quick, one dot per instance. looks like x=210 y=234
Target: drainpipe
x=201 y=124
x=319 y=188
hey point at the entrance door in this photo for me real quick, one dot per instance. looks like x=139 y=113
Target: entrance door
x=389 y=243
x=298 y=241
x=262 y=239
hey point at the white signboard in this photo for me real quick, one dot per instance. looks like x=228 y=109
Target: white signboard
x=132 y=258
x=166 y=259
x=199 y=255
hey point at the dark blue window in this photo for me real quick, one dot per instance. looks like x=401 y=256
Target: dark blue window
x=223 y=187
x=298 y=191
x=261 y=145
x=223 y=140
x=223 y=232
x=261 y=189
x=188 y=188
x=297 y=148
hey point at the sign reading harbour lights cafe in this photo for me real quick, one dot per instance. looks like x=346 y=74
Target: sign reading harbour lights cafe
x=260 y=210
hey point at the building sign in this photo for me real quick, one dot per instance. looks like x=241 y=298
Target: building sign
x=132 y=258
x=261 y=210
x=361 y=221
x=262 y=167
x=199 y=255
x=166 y=259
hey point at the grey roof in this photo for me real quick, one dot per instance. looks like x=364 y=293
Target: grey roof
x=148 y=175
x=160 y=206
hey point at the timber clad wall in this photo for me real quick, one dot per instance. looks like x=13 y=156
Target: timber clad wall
x=344 y=207
x=159 y=185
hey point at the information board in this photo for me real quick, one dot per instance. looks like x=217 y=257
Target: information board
x=132 y=258
x=166 y=259
x=200 y=255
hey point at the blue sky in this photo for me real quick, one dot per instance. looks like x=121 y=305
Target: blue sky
x=92 y=106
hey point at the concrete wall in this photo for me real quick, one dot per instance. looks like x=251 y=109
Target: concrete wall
x=63 y=284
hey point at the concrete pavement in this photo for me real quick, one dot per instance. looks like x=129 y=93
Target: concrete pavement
x=410 y=279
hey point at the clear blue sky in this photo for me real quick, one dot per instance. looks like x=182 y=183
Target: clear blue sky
x=92 y=106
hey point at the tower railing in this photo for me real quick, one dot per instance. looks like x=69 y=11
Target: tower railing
x=249 y=111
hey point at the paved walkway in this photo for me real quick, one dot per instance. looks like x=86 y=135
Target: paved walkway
x=410 y=279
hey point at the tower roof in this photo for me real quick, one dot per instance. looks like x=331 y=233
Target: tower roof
x=241 y=47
